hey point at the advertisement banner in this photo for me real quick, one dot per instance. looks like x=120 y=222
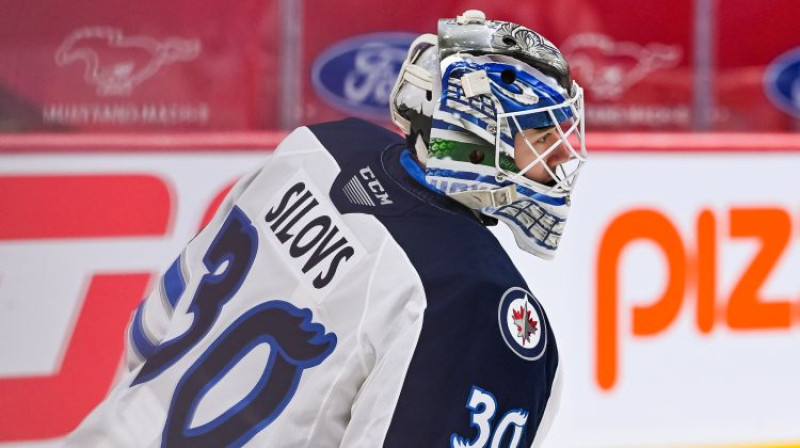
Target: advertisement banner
x=675 y=303
x=635 y=65
x=258 y=64
x=673 y=296
x=89 y=237
x=138 y=66
x=757 y=83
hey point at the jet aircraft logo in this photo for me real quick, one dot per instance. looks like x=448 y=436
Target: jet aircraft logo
x=526 y=326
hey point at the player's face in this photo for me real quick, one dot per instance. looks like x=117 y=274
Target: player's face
x=540 y=140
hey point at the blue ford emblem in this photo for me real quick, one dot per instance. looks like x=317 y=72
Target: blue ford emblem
x=356 y=75
x=782 y=82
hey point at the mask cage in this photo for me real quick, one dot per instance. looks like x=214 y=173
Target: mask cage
x=570 y=133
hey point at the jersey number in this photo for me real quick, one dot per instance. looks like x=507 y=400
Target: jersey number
x=482 y=406
x=295 y=344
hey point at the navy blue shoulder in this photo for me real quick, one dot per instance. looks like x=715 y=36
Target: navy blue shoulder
x=371 y=179
x=362 y=186
x=483 y=332
x=436 y=231
x=353 y=138
x=483 y=335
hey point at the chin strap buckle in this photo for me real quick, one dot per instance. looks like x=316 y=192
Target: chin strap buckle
x=478 y=199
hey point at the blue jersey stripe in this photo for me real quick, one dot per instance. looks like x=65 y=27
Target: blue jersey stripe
x=174 y=283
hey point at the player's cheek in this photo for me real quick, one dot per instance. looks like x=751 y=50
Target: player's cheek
x=537 y=174
x=560 y=155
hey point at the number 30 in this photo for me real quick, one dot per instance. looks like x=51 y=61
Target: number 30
x=298 y=344
x=483 y=405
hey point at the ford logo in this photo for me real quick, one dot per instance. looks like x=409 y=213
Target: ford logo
x=782 y=82
x=356 y=75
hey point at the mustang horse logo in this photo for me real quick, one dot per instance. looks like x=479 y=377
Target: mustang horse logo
x=116 y=63
x=610 y=68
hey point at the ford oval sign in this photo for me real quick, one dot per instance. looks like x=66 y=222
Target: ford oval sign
x=782 y=82
x=356 y=75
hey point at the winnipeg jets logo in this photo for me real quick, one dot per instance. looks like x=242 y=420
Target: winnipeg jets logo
x=521 y=324
x=526 y=326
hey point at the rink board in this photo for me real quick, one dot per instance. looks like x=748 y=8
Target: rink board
x=674 y=296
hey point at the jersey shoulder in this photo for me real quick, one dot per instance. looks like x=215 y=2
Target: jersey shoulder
x=351 y=138
x=484 y=336
x=362 y=184
x=482 y=329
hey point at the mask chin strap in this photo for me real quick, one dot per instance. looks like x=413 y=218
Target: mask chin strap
x=421 y=136
x=421 y=147
x=478 y=199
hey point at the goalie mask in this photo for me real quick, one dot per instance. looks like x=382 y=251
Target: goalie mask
x=492 y=113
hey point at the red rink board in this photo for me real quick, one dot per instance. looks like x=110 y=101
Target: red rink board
x=259 y=141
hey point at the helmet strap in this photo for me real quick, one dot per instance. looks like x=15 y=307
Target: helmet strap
x=478 y=199
x=420 y=135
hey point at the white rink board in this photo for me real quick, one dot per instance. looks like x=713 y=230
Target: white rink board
x=677 y=388
x=48 y=309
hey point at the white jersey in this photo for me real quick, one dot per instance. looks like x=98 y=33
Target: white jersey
x=335 y=301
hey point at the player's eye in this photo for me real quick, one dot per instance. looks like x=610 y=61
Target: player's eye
x=542 y=139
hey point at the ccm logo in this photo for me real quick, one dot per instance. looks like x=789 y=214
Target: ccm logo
x=691 y=271
x=375 y=186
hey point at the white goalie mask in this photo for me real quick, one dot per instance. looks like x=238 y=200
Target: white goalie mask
x=492 y=113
